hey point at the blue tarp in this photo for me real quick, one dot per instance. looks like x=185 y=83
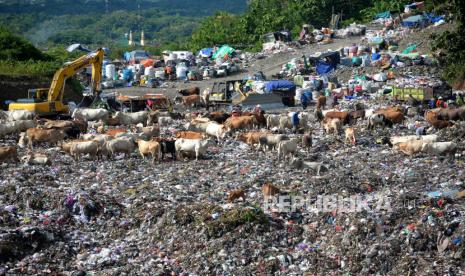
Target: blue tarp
x=415 y=21
x=279 y=85
x=323 y=67
x=127 y=56
x=327 y=63
x=206 y=52
x=386 y=14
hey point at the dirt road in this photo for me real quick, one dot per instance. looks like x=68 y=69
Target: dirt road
x=269 y=65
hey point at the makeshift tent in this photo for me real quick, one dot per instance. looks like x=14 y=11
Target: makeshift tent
x=415 y=21
x=224 y=50
x=279 y=85
x=327 y=62
x=206 y=52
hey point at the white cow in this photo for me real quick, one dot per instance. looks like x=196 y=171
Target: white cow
x=216 y=130
x=118 y=145
x=83 y=148
x=16 y=127
x=287 y=147
x=197 y=147
x=439 y=148
x=90 y=114
x=132 y=118
x=16 y=115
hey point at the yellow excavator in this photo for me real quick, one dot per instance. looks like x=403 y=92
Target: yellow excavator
x=49 y=101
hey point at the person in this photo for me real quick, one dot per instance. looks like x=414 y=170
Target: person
x=257 y=109
x=459 y=100
x=304 y=101
x=441 y=103
x=335 y=102
x=432 y=103
x=295 y=121
x=138 y=75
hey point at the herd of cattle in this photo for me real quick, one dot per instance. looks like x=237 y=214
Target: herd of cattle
x=100 y=134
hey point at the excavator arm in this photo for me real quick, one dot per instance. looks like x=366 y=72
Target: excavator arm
x=57 y=87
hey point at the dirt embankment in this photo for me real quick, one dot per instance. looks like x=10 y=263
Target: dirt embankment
x=12 y=88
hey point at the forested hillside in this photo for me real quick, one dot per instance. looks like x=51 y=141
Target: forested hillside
x=47 y=22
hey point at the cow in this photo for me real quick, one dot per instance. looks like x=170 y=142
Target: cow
x=197 y=147
x=132 y=118
x=259 y=117
x=8 y=154
x=82 y=148
x=72 y=128
x=320 y=102
x=16 y=115
x=301 y=164
x=236 y=194
x=425 y=138
x=168 y=146
x=439 y=148
x=452 y=114
x=115 y=131
x=271 y=141
x=332 y=125
x=355 y=115
x=440 y=124
x=286 y=147
x=196 y=127
x=341 y=115
x=219 y=117
x=190 y=135
x=152 y=148
x=16 y=127
x=190 y=91
x=269 y=190
x=379 y=120
x=90 y=114
x=307 y=140
x=410 y=148
x=120 y=145
x=350 y=135
x=272 y=121
x=250 y=138
x=217 y=131
x=394 y=115
x=34 y=158
x=192 y=100
x=241 y=122
x=52 y=136
x=146 y=133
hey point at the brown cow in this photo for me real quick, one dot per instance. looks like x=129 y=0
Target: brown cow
x=190 y=91
x=320 y=102
x=250 y=138
x=42 y=135
x=236 y=194
x=219 y=117
x=241 y=122
x=342 y=115
x=8 y=153
x=191 y=100
x=261 y=120
x=355 y=115
x=307 y=140
x=190 y=135
x=395 y=116
x=114 y=131
x=269 y=190
x=453 y=114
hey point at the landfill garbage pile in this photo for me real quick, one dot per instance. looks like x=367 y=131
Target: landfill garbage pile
x=127 y=215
